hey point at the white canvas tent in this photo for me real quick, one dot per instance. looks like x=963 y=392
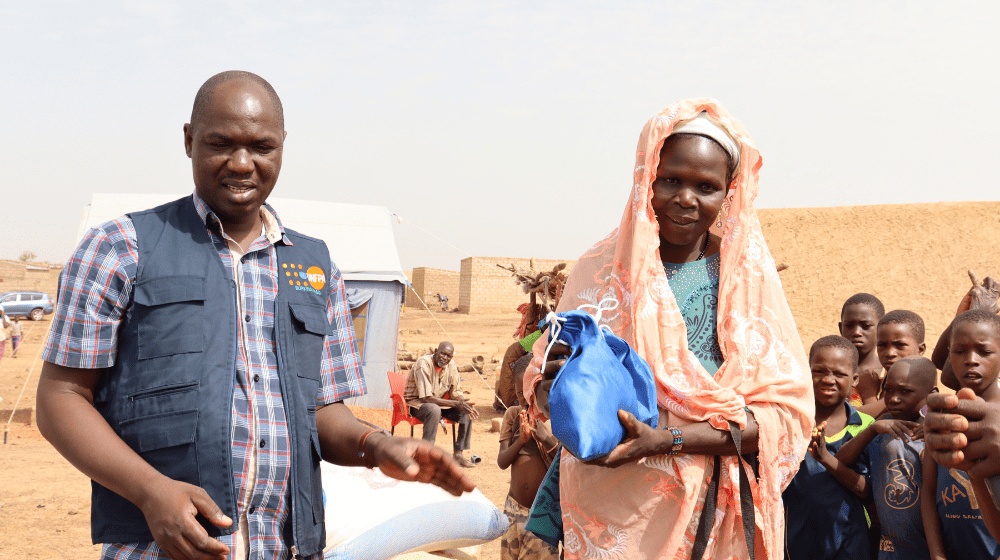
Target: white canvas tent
x=361 y=244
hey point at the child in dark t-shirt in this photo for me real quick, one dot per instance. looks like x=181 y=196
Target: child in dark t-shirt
x=952 y=517
x=892 y=449
x=859 y=319
x=825 y=520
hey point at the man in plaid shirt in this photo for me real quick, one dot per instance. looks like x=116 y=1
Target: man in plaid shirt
x=137 y=304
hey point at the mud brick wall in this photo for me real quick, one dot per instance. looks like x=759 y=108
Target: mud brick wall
x=488 y=289
x=910 y=256
x=36 y=277
x=428 y=282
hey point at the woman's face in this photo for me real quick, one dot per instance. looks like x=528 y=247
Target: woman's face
x=688 y=192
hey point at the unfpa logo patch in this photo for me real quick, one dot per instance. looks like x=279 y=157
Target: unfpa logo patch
x=304 y=278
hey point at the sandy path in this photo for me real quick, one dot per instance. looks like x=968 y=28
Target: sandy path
x=44 y=501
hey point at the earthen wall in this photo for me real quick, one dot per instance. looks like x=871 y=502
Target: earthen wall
x=37 y=277
x=428 y=282
x=485 y=288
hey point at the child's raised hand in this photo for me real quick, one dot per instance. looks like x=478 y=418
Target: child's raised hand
x=817 y=444
x=982 y=295
x=527 y=427
x=898 y=428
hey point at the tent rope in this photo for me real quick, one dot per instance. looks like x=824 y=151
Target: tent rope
x=6 y=428
x=459 y=249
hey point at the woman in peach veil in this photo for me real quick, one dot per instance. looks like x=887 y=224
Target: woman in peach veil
x=688 y=281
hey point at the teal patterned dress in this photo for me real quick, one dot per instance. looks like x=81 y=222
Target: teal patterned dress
x=696 y=289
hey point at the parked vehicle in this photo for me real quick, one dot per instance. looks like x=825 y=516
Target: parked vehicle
x=33 y=305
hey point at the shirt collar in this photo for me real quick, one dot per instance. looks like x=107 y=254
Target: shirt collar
x=853 y=416
x=272 y=224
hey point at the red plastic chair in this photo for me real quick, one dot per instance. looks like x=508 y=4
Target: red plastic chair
x=400 y=410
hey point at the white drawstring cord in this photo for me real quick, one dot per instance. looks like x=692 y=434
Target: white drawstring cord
x=601 y=308
x=556 y=321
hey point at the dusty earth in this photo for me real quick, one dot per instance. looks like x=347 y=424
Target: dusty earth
x=45 y=502
x=912 y=256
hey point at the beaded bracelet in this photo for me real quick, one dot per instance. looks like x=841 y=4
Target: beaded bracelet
x=361 y=448
x=678 y=440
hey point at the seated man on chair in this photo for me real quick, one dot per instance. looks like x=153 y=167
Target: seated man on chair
x=433 y=392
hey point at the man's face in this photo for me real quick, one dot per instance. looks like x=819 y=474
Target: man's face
x=896 y=341
x=443 y=355
x=235 y=150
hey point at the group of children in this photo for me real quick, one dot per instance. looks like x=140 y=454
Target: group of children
x=866 y=489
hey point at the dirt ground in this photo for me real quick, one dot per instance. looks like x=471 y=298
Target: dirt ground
x=45 y=502
x=912 y=256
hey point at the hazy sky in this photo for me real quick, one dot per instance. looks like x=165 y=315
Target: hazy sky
x=506 y=128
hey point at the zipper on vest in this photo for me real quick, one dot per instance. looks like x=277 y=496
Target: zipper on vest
x=232 y=390
x=293 y=482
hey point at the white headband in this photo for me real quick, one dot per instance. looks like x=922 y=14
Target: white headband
x=702 y=125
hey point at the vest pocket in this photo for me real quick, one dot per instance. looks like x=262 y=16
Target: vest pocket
x=311 y=327
x=167 y=443
x=163 y=391
x=170 y=314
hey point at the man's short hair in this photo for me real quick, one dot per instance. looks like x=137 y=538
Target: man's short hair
x=978 y=316
x=864 y=299
x=836 y=341
x=207 y=91
x=905 y=317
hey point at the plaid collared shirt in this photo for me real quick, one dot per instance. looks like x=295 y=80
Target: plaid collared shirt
x=97 y=290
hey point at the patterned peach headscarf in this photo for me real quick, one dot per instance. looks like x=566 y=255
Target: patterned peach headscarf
x=607 y=510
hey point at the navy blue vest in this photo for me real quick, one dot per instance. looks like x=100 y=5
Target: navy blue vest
x=169 y=394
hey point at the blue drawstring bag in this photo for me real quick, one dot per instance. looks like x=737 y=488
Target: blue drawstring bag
x=602 y=375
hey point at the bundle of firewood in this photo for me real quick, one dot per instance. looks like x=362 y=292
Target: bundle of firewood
x=547 y=284
x=406 y=358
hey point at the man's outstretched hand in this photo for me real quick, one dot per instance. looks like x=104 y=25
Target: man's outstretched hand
x=170 y=509
x=410 y=459
x=963 y=432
